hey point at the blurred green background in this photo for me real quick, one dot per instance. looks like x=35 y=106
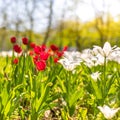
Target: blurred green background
x=78 y=24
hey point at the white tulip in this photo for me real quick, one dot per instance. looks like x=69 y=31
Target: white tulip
x=68 y=64
x=70 y=60
x=73 y=56
x=95 y=76
x=108 y=112
x=106 y=50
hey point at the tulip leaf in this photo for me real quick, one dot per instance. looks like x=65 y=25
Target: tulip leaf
x=96 y=89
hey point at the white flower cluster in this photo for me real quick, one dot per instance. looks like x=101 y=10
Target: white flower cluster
x=70 y=60
x=91 y=57
x=7 y=53
x=98 y=55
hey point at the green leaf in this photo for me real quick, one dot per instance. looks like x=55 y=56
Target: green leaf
x=110 y=82
x=61 y=84
x=75 y=96
x=71 y=110
x=97 y=90
x=7 y=108
x=31 y=83
x=43 y=97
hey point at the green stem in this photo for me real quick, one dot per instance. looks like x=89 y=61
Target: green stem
x=104 y=80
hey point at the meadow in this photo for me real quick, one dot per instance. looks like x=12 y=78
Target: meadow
x=39 y=82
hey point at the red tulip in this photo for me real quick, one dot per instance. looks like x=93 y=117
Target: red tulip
x=37 y=49
x=17 y=48
x=32 y=45
x=15 y=61
x=59 y=53
x=25 y=41
x=54 y=47
x=44 y=55
x=13 y=39
x=65 y=48
x=56 y=60
x=41 y=65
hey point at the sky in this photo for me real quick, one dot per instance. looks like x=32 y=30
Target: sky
x=85 y=10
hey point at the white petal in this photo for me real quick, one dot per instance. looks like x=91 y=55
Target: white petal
x=107 y=48
x=108 y=112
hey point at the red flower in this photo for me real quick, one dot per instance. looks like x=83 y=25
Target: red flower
x=56 y=60
x=13 y=39
x=59 y=53
x=44 y=55
x=25 y=41
x=15 y=61
x=54 y=47
x=43 y=47
x=36 y=59
x=41 y=65
x=65 y=48
x=32 y=45
x=17 y=48
x=31 y=53
x=37 y=49
x=50 y=52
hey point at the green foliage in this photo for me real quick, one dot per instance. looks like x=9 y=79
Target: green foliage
x=26 y=93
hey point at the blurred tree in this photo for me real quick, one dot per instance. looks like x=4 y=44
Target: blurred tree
x=61 y=24
x=102 y=20
x=17 y=21
x=49 y=24
x=30 y=7
x=4 y=23
x=22 y=17
x=78 y=39
x=72 y=7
